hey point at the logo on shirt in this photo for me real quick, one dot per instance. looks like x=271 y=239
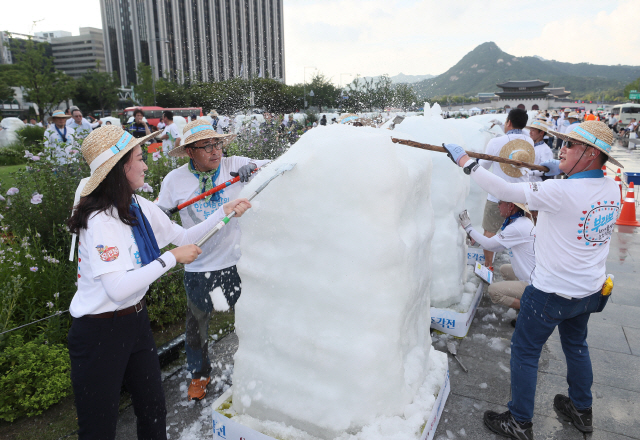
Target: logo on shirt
x=107 y=253
x=597 y=224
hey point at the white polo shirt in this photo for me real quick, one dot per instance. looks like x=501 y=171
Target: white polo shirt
x=518 y=237
x=575 y=221
x=173 y=133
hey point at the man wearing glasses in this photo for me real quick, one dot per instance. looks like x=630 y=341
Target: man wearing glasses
x=576 y=217
x=215 y=269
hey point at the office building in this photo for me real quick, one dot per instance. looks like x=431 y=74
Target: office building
x=206 y=40
x=74 y=55
x=14 y=41
x=51 y=35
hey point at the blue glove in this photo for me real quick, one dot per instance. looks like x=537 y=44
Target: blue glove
x=455 y=152
x=245 y=172
x=554 y=167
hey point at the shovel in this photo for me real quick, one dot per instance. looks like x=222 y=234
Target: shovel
x=279 y=172
x=517 y=163
x=452 y=349
x=213 y=190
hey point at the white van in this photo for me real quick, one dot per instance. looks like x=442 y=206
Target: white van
x=625 y=112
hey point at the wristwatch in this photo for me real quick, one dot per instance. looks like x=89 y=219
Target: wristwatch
x=471 y=166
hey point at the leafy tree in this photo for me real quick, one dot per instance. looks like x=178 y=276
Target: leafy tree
x=325 y=93
x=404 y=96
x=144 y=89
x=383 y=93
x=274 y=96
x=44 y=86
x=635 y=85
x=170 y=94
x=100 y=89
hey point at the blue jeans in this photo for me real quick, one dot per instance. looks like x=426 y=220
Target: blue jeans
x=540 y=313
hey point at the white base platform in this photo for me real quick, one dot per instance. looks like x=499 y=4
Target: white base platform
x=456 y=323
x=224 y=427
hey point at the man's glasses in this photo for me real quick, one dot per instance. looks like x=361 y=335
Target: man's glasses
x=571 y=144
x=208 y=148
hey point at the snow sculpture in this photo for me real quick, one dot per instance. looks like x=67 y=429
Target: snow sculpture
x=449 y=189
x=334 y=318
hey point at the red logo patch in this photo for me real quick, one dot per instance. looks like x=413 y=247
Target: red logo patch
x=108 y=253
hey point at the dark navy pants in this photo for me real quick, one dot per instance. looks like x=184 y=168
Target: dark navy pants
x=105 y=354
x=199 y=310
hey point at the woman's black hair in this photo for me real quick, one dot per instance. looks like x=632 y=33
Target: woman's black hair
x=114 y=192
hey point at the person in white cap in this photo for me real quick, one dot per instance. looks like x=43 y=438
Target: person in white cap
x=120 y=236
x=207 y=168
x=575 y=222
x=572 y=121
x=59 y=138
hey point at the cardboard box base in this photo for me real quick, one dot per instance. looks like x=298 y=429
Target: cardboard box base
x=227 y=429
x=456 y=323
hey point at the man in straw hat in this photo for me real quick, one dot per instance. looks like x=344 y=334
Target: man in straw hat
x=515 y=145
x=576 y=218
x=217 y=268
x=516 y=234
x=538 y=129
x=120 y=236
x=572 y=121
x=59 y=137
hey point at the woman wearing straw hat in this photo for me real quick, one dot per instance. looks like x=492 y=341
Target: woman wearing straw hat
x=576 y=218
x=120 y=237
x=207 y=167
x=59 y=137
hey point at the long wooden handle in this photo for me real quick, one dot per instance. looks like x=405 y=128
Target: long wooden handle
x=517 y=163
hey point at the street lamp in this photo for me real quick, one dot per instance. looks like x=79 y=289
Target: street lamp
x=304 y=87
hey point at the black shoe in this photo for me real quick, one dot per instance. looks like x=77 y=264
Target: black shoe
x=504 y=424
x=583 y=420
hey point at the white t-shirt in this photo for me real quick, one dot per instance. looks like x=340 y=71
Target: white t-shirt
x=59 y=148
x=543 y=154
x=575 y=221
x=82 y=130
x=174 y=133
x=180 y=185
x=493 y=148
x=107 y=245
x=518 y=238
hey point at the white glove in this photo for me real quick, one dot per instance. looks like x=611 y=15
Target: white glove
x=465 y=221
x=496 y=122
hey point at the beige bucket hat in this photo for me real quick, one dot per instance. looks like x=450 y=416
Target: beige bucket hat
x=573 y=115
x=540 y=124
x=59 y=114
x=102 y=149
x=596 y=134
x=196 y=131
x=213 y=113
x=517 y=149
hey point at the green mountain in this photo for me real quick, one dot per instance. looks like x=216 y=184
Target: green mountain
x=487 y=65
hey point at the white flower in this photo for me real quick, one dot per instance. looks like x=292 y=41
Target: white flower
x=50 y=304
x=36 y=199
x=35 y=158
x=56 y=295
x=13 y=190
x=38 y=235
x=27 y=154
x=2 y=199
x=1 y=217
x=33 y=269
x=157 y=155
x=146 y=188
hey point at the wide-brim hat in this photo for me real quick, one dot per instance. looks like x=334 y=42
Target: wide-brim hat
x=540 y=124
x=59 y=114
x=213 y=113
x=573 y=115
x=523 y=206
x=554 y=113
x=103 y=148
x=196 y=131
x=517 y=149
x=596 y=134
x=567 y=110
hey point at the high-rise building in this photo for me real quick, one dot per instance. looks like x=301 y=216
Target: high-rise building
x=205 y=40
x=74 y=55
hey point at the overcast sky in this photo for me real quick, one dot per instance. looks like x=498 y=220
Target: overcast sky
x=343 y=38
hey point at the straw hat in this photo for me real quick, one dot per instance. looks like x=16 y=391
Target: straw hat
x=213 y=113
x=196 y=131
x=554 y=114
x=593 y=133
x=573 y=115
x=524 y=207
x=102 y=149
x=59 y=114
x=517 y=149
x=540 y=124
x=567 y=110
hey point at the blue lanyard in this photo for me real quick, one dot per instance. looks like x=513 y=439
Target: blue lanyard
x=63 y=136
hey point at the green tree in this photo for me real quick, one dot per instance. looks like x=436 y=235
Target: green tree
x=325 y=93
x=99 y=89
x=404 y=96
x=44 y=86
x=635 y=85
x=144 y=89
